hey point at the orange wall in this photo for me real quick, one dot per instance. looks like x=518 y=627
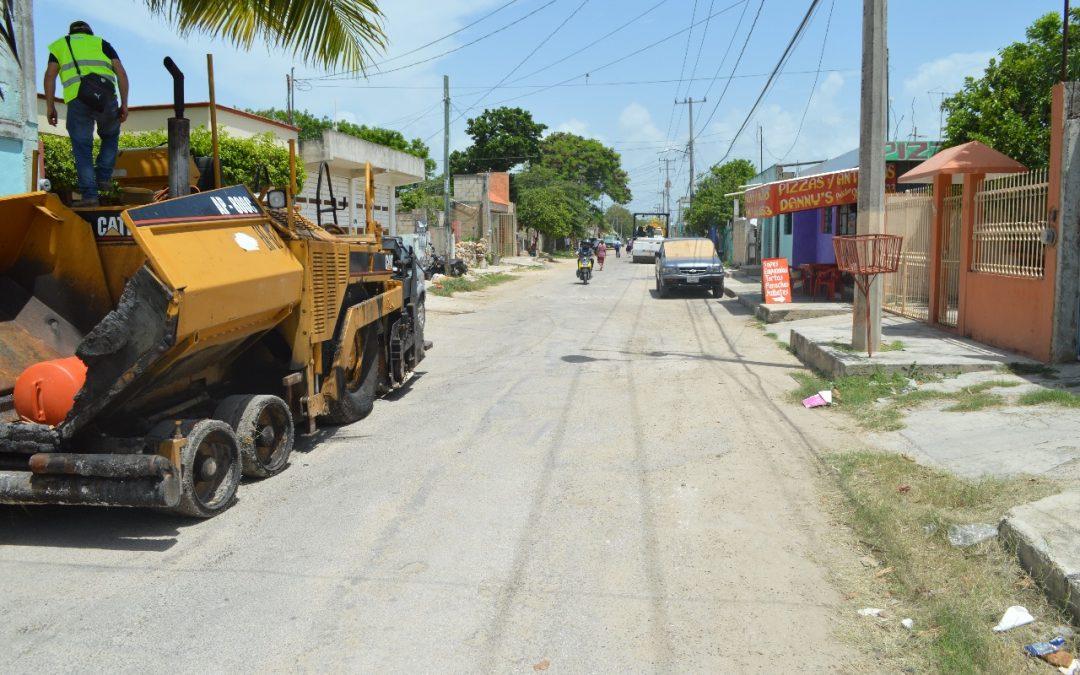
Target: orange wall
x=499 y=188
x=1010 y=313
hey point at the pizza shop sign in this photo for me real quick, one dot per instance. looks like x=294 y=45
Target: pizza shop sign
x=800 y=194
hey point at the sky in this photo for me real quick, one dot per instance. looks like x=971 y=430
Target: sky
x=618 y=67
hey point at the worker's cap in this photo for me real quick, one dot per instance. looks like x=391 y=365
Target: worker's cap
x=80 y=27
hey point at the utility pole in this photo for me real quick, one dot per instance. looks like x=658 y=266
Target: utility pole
x=290 y=83
x=446 y=173
x=1065 y=44
x=872 y=123
x=761 y=149
x=667 y=184
x=689 y=102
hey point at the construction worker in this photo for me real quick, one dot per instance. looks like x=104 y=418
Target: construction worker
x=77 y=56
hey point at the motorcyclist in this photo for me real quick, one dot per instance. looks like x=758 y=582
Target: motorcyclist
x=585 y=249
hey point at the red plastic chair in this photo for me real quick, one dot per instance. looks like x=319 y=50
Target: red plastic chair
x=827 y=280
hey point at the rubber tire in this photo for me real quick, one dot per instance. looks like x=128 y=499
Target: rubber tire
x=718 y=290
x=241 y=412
x=353 y=406
x=190 y=505
x=661 y=289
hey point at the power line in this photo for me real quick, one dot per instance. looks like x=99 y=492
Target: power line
x=813 y=87
x=591 y=44
x=621 y=58
x=779 y=64
x=527 y=57
x=735 y=67
x=500 y=29
x=615 y=83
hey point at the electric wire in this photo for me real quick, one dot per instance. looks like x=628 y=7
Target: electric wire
x=346 y=74
x=813 y=87
x=772 y=78
x=734 y=68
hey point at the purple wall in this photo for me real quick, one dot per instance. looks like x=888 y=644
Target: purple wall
x=804 y=231
x=825 y=252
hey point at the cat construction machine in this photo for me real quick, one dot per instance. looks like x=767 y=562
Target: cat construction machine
x=151 y=355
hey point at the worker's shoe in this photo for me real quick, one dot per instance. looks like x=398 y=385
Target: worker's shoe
x=83 y=203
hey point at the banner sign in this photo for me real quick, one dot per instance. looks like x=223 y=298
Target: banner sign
x=800 y=194
x=760 y=202
x=775 y=281
x=911 y=151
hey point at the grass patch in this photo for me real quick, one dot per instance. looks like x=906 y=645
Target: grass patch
x=954 y=595
x=894 y=346
x=569 y=255
x=878 y=401
x=447 y=287
x=1060 y=397
x=772 y=336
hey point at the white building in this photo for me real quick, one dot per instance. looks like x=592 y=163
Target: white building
x=347 y=157
x=234 y=122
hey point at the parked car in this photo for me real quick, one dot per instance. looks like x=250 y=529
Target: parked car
x=690 y=262
x=610 y=241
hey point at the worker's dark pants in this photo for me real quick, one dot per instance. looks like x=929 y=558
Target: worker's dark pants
x=80 y=127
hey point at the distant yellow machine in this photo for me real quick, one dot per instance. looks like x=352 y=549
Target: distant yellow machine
x=151 y=354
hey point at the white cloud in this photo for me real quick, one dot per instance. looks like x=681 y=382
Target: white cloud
x=636 y=124
x=916 y=107
x=573 y=126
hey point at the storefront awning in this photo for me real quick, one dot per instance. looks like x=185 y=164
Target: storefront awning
x=799 y=194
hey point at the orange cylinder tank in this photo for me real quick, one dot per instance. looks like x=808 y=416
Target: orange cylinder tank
x=45 y=391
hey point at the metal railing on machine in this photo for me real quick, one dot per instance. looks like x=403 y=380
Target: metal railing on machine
x=1010 y=217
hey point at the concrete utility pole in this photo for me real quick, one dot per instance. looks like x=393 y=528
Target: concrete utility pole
x=446 y=172
x=1065 y=44
x=667 y=184
x=872 y=122
x=690 y=145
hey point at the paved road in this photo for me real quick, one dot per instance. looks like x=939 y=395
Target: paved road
x=587 y=477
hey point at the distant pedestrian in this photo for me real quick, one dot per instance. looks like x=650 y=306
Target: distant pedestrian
x=618 y=248
x=601 y=253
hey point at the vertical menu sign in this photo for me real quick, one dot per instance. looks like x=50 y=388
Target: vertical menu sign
x=775 y=281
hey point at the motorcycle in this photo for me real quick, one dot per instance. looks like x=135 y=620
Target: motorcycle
x=584 y=268
x=437 y=265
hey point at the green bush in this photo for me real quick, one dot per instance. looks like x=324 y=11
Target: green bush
x=240 y=157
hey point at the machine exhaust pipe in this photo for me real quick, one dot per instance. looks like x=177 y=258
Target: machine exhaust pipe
x=179 y=129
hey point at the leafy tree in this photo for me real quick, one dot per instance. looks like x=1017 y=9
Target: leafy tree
x=502 y=139
x=588 y=162
x=1008 y=108
x=710 y=206
x=326 y=33
x=554 y=206
x=619 y=219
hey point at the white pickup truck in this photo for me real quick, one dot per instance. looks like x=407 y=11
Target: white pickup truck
x=645 y=249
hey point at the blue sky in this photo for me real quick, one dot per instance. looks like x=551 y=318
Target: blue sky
x=629 y=104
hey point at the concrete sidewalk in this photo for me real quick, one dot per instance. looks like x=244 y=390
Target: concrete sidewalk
x=748 y=292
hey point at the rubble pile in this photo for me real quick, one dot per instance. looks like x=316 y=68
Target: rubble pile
x=474 y=253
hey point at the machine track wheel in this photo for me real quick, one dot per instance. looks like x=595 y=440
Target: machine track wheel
x=264 y=431
x=356 y=385
x=209 y=469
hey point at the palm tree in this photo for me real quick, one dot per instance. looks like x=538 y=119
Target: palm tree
x=326 y=33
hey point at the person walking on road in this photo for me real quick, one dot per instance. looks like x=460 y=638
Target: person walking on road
x=601 y=253
x=618 y=248
x=90 y=75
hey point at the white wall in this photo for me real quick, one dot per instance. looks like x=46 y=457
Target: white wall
x=340 y=181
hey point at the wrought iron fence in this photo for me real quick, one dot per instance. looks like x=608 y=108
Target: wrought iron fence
x=949 y=285
x=911 y=216
x=1010 y=216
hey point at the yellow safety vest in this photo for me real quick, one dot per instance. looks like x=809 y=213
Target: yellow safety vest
x=87 y=51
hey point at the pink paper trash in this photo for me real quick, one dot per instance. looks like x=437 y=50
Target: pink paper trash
x=819 y=399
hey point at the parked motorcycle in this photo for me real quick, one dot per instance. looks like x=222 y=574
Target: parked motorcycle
x=584 y=268
x=437 y=265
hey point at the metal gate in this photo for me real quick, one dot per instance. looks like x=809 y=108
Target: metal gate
x=949 y=297
x=911 y=216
